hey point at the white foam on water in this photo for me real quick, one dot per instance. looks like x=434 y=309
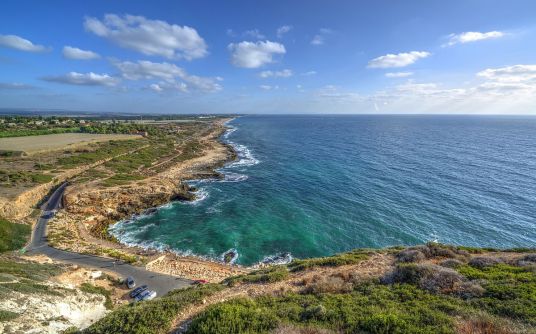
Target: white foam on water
x=234 y=177
x=229 y=131
x=126 y=236
x=245 y=156
x=233 y=259
x=200 y=195
x=277 y=259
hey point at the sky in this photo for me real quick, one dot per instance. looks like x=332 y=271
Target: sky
x=301 y=56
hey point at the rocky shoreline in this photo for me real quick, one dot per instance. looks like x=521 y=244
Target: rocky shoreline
x=89 y=211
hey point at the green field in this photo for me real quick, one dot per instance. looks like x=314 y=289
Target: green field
x=13 y=236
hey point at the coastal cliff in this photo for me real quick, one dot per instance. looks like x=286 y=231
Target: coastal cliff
x=89 y=209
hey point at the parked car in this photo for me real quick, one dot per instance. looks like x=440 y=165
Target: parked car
x=48 y=214
x=130 y=282
x=200 y=281
x=137 y=291
x=145 y=295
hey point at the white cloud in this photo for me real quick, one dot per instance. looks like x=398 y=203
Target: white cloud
x=164 y=86
x=283 y=30
x=510 y=89
x=308 y=73
x=76 y=53
x=320 y=38
x=15 y=86
x=267 y=87
x=150 y=37
x=398 y=74
x=84 y=79
x=510 y=74
x=254 y=33
x=276 y=74
x=254 y=54
x=397 y=60
x=156 y=87
x=146 y=70
x=19 y=43
x=317 y=40
x=471 y=36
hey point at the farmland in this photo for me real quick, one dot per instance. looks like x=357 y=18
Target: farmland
x=37 y=144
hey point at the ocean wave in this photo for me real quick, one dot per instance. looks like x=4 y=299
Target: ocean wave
x=233 y=177
x=200 y=195
x=122 y=232
x=281 y=258
x=245 y=156
x=229 y=131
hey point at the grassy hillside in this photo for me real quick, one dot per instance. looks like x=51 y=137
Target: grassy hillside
x=425 y=289
x=13 y=236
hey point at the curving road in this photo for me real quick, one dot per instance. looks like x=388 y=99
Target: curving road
x=160 y=283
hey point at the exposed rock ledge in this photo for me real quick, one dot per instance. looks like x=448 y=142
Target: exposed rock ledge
x=89 y=210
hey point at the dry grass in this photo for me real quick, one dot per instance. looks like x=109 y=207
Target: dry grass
x=483 y=325
x=292 y=329
x=46 y=143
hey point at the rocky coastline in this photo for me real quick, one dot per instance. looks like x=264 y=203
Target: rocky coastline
x=89 y=211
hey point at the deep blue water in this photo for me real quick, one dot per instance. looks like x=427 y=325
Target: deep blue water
x=317 y=185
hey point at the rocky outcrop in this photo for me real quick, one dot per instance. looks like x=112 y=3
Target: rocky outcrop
x=22 y=206
x=48 y=313
x=109 y=205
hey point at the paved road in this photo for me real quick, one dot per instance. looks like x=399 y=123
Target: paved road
x=158 y=282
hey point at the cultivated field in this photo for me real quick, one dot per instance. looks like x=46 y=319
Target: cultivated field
x=39 y=144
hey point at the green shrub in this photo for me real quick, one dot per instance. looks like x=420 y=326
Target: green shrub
x=90 y=288
x=371 y=308
x=240 y=316
x=13 y=236
x=29 y=270
x=7 y=315
x=268 y=275
x=152 y=316
x=352 y=257
x=509 y=291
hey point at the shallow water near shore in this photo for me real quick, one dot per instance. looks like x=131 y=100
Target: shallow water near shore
x=318 y=185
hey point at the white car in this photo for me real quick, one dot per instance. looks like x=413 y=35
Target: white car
x=146 y=295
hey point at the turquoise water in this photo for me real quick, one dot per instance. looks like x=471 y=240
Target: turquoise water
x=317 y=185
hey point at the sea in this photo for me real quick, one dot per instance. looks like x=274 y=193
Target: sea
x=315 y=185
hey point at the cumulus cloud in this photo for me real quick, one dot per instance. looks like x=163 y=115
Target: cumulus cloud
x=84 y=79
x=320 y=38
x=510 y=89
x=169 y=73
x=254 y=33
x=164 y=86
x=254 y=54
x=510 y=74
x=19 y=43
x=471 y=36
x=398 y=74
x=276 y=74
x=283 y=30
x=397 y=60
x=150 y=37
x=76 y=53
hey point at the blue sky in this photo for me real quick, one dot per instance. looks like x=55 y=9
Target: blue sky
x=269 y=56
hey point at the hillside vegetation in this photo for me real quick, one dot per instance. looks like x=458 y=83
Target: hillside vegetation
x=426 y=289
x=12 y=236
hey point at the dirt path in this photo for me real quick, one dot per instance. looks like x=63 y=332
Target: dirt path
x=376 y=266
